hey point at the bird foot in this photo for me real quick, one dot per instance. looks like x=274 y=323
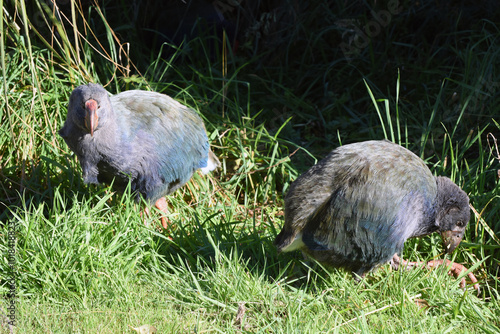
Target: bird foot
x=395 y=262
x=161 y=205
x=455 y=269
x=358 y=277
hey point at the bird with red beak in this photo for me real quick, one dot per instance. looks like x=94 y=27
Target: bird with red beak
x=141 y=138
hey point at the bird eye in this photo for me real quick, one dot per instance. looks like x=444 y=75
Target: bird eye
x=460 y=223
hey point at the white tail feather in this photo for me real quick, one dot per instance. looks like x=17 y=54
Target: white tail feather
x=212 y=163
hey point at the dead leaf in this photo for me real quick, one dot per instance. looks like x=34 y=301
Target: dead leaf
x=240 y=314
x=422 y=303
x=144 y=329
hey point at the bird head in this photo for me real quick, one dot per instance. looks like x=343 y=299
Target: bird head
x=453 y=213
x=88 y=107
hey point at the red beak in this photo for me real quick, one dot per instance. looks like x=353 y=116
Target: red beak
x=91 y=118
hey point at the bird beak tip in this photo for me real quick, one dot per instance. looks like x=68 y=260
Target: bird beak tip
x=451 y=240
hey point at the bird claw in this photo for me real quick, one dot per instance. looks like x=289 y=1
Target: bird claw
x=395 y=262
x=455 y=269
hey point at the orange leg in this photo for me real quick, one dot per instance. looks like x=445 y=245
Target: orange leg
x=162 y=205
x=144 y=214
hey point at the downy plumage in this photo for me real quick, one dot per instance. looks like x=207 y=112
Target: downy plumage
x=357 y=207
x=143 y=137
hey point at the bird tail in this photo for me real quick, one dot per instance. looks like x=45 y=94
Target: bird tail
x=212 y=163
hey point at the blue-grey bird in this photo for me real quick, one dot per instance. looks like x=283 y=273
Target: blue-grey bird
x=141 y=137
x=357 y=207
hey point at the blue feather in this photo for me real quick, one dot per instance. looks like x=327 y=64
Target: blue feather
x=145 y=138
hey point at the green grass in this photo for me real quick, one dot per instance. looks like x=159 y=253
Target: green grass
x=87 y=263
x=98 y=268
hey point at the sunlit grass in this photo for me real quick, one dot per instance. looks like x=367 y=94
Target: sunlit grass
x=86 y=261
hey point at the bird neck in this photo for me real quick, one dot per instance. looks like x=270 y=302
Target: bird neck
x=427 y=220
x=108 y=134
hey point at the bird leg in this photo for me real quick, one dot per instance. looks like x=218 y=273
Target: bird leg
x=395 y=262
x=162 y=205
x=456 y=268
x=358 y=277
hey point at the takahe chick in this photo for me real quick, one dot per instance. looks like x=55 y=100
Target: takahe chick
x=357 y=207
x=141 y=137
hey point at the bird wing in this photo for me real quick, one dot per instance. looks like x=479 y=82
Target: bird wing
x=167 y=139
x=372 y=200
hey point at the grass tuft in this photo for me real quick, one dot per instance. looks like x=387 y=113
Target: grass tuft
x=280 y=88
